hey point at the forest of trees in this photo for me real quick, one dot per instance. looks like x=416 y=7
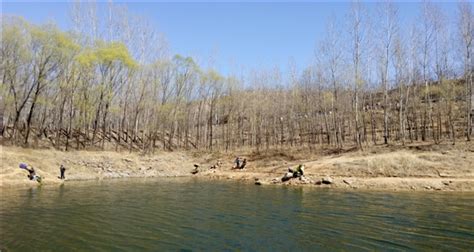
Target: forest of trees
x=111 y=83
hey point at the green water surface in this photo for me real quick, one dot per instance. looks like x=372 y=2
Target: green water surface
x=201 y=215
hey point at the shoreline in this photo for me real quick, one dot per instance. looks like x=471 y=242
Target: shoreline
x=357 y=183
x=348 y=184
x=381 y=184
x=375 y=170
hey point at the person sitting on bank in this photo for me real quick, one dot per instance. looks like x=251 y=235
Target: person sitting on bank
x=62 y=170
x=298 y=172
x=196 y=169
x=217 y=165
x=31 y=172
x=237 y=162
x=244 y=163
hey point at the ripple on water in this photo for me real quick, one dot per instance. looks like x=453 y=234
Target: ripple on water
x=199 y=215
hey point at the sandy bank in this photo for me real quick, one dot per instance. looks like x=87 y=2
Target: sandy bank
x=88 y=165
x=420 y=167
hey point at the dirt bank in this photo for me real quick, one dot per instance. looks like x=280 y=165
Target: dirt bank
x=412 y=167
x=86 y=165
x=404 y=168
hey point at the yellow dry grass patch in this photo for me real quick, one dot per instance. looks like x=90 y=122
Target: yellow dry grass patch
x=399 y=164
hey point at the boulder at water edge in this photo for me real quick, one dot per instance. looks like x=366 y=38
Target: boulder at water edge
x=327 y=180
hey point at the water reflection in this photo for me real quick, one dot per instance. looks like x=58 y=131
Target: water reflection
x=192 y=214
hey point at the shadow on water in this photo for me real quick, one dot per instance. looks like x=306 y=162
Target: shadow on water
x=190 y=214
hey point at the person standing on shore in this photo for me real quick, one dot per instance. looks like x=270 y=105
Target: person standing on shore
x=62 y=170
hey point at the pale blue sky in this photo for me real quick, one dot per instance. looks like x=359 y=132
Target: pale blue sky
x=253 y=35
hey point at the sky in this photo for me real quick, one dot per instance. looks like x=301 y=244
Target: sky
x=236 y=35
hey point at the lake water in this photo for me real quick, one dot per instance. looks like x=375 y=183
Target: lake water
x=192 y=214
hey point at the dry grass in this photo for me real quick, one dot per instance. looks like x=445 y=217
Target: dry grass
x=400 y=164
x=89 y=164
x=375 y=162
x=416 y=160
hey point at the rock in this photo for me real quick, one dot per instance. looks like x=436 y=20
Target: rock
x=428 y=187
x=347 y=181
x=257 y=181
x=127 y=160
x=327 y=180
x=446 y=183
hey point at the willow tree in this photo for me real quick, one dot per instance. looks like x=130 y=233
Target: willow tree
x=66 y=87
x=161 y=92
x=16 y=82
x=183 y=82
x=114 y=66
x=50 y=48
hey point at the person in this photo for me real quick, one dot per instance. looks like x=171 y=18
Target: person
x=196 y=169
x=237 y=162
x=62 y=170
x=218 y=163
x=298 y=172
x=244 y=163
x=31 y=172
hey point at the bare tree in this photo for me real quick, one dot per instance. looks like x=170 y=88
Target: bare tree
x=388 y=27
x=357 y=37
x=331 y=56
x=466 y=34
x=113 y=83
